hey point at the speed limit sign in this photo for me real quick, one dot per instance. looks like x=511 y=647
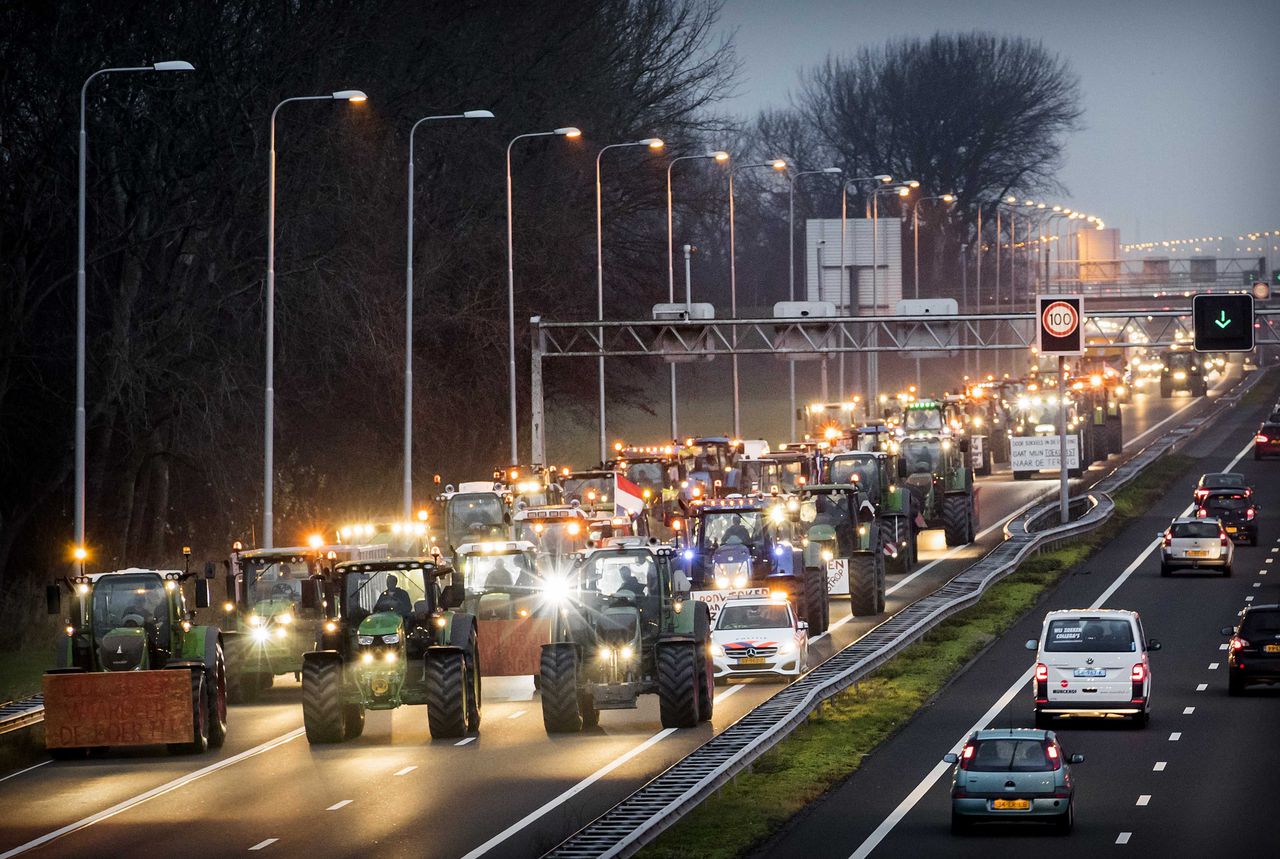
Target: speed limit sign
x=1060 y=319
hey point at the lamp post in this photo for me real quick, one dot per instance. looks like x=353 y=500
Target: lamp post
x=854 y=302
x=652 y=143
x=915 y=237
x=779 y=165
x=791 y=276
x=902 y=189
x=354 y=96
x=567 y=131
x=408 y=313
x=720 y=156
x=1011 y=201
x=81 y=289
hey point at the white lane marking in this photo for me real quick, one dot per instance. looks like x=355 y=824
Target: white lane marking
x=1213 y=666
x=1222 y=647
x=1175 y=736
x=1123 y=837
x=1140 y=437
x=405 y=771
x=584 y=784
x=27 y=770
x=1145 y=799
x=342 y=803
x=167 y=787
x=1202 y=687
x=1246 y=599
x=1187 y=711
x=1275 y=549
x=1159 y=767
x=517 y=714
x=886 y=826
x=267 y=843
x=463 y=742
x=1262 y=572
x=841 y=622
x=1269 y=561
x=1257 y=584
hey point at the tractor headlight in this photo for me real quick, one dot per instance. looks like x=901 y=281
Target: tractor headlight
x=604 y=653
x=261 y=633
x=284 y=618
x=828 y=555
x=364 y=640
x=228 y=607
x=255 y=620
x=389 y=656
x=366 y=658
x=330 y=626
x=281 y=632
x=625 y=652
x=555 y=589
x=722 y=582
x=393 y=638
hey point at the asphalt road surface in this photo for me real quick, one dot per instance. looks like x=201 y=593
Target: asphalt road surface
x=1200 y=780
x=513 y=791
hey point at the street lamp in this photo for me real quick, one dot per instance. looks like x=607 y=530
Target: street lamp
x=81 y=292
x=570 y=132
x=408 y=313
x=719 y=156
x=778 y=164
x=854 y=298
x=652 y=143
x=791 y=277
x=352 y=96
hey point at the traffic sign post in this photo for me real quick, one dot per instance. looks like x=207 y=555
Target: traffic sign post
x=1058 y=332
x=1223 y=322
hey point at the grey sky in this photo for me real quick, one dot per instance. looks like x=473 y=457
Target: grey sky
x=1181 y=99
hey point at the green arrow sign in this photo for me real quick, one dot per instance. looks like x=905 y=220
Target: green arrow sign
x=1222 y=321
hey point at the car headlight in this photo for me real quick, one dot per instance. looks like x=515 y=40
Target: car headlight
x=786 y=648
x=284 y=618
x=393 y=638
x=717 y=650
x=364 y=640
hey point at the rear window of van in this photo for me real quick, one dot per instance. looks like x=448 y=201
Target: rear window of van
x=1089 y=635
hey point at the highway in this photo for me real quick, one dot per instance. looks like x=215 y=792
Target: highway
x=1198 y=781
x=513 y=791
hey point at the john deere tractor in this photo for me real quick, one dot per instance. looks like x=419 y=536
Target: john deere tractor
x=134 y=668
x=941 y=479
x=876 y=472
x=392 y=638
x=843 y=543
x=627 y=628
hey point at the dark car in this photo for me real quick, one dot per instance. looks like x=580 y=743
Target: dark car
x=1236 y=511
x=1253 y=654
x=1267 y=441
x=1220 y=480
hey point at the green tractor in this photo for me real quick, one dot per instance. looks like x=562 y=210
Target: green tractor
x=392 y=638
x=843 y=540
x=627 y=627
x=876 y=472
x=134 y=668
x=941 y=478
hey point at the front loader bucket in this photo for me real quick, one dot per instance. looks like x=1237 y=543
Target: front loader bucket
x=511 y=648
x=123 y=708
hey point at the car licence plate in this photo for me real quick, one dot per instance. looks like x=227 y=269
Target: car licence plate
x=1197 y=553
x=1231 y=529
x=752 y=660
x=1091 y=672
x=1010 y=804
x=1271 y=648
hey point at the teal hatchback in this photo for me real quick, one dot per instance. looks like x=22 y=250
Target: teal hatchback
x=1018 y=775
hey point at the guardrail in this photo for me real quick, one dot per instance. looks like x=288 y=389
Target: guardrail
x=21 y=714
x=645 y=814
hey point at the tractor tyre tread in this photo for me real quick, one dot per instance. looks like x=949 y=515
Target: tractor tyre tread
x=678 y=685
x=322 y=714
x=446 y=675
x=561 y=706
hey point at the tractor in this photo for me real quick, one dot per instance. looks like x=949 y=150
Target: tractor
x=474 y=511
x=627 y=627
x=503 y=590
x=1036 y=413
x=843 y=543
x=711 y=464
x=268 y=619
x=749 y=545
x=1183 y=371
x=392 y=637
x=133 y=668
x=877 y=473
x=940 y=477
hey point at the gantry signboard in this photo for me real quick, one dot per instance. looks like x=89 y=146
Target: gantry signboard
x=1223 y=323
x=1060 y=320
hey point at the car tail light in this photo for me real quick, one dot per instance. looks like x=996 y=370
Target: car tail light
x=966 y=756
x=1201 y=513
x=1042 y=672
x=1139 y=673
x=1261 y=439
x=1054 y=758
x=1250 y=513
x=1237 y=643
x=1224 y=539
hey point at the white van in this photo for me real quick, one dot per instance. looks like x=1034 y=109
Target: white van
x=1093 y=663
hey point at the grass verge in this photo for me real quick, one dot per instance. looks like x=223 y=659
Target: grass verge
x=831 y=745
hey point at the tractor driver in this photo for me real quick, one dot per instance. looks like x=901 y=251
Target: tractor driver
x=499 y=578
x=630 y=583
x=394 y=598
x=144 y=608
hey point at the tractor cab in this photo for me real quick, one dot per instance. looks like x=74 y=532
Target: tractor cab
x=554 y=532
x=134 y=617
x=476 y=510
x=711 y=464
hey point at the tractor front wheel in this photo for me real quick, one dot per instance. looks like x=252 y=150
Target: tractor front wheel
x=815 y=598
x=561 y=704
x=200 y=707
x=218 y=700
x=678 y=685
x=866 y=585
x=447 y=695
x=323 y=714
x=706 y=668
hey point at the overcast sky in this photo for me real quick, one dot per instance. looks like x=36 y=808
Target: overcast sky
x=1181 y=99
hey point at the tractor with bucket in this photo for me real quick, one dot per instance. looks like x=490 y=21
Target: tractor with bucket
x=842 y=542
x=393 y=636
x=749 y=546
x=504 y=591
x=627 y=626
x=133 y=667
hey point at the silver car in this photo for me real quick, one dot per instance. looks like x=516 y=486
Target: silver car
x=1013 y=775
x=1190 y=543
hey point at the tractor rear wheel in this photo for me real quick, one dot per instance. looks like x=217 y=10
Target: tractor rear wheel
x=863 y=585
x=815 y=599
x=447 y=695
x=880 y=588
x=322 y=710
x=561 y=704
x=706 y=669
x=352 y=721
x=957 y=520
x=218 y=700
x=678 y=685
x=200 y=706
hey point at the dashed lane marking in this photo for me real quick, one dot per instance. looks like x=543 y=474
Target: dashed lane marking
x=1213 y=666
x=1123 y=837
x=405 y=771
x=1159 y=767
x=1248 y=599
x=1187 y=711
x=1145 y=799
x=342 y=803
x=463 y=742
x=1257 y=584
x=1222 y=647
x=517 y=714
x=1200 y=688
x=27 y=770
x=265 y=843
x=1175 y=736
